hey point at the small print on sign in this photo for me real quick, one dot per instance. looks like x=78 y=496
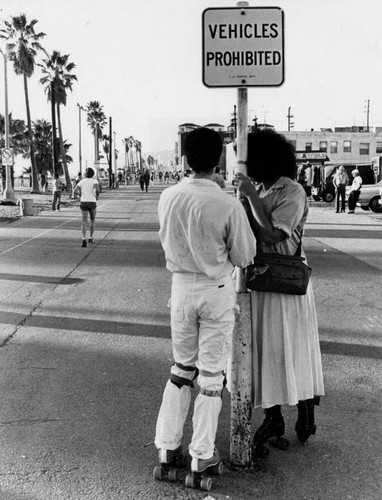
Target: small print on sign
x=243 y=47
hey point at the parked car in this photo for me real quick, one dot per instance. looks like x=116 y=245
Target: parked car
x=370 y=197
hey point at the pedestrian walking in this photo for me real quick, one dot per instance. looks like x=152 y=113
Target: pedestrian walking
x=287 y=367
x=355 y=191
x=146 y=179
x=340 y=181
x=56 y=190
x=142 y=181
x=204 y=234
x=89 y=191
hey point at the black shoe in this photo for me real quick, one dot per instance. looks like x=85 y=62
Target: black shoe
x=305 y=425
x=271 y=430
x=83 y=243
x=90 y=240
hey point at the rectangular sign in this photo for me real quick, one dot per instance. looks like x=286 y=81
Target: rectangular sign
x=7 y=157
x=243 y=47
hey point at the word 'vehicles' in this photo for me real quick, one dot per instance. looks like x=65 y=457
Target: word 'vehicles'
x=249 y=30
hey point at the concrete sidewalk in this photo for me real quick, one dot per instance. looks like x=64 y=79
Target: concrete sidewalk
x=86 y=352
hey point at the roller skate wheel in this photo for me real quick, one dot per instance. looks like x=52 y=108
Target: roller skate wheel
x=218 y=469
x=190 y=481
x=173 y=475
x=206 y=484
x=157 y=473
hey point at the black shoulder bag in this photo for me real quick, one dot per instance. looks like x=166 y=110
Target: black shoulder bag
x=277 y=273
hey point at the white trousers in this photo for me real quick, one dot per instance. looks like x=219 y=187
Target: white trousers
x=202 y=322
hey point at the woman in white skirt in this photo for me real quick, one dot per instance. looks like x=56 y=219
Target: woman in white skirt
x=287 y=366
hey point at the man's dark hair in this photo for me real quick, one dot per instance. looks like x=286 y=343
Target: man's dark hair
x=270 y=156
x=89 y=172
x=203 y=148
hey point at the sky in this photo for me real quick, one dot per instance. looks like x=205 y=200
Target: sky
x=142 y=60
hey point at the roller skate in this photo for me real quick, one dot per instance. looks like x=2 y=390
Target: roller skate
x=270 y=431
x=305 y=425
x=201 y=470
x=170 y=461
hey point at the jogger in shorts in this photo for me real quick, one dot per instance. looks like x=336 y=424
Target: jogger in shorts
x=88 y=190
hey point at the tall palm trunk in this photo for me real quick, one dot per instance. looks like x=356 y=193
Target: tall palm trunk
x=35 y=186
x=54 y=142
x=62 y=150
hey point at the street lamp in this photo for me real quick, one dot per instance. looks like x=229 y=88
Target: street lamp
x=8 y=194
x=80 y=108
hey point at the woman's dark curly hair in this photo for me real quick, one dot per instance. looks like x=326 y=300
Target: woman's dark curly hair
x=270 y=156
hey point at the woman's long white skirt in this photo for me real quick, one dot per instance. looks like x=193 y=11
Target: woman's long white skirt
x=286 y=351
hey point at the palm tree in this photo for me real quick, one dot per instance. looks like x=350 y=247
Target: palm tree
x=42 y=141
x=18 y=135
x=22 y=45
x=131 y=144
x=57 y=79
x=138 y=148
x=106 y=145
x=96 y=119
x=150 y=161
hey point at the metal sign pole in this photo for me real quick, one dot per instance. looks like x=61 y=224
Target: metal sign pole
x=240 y=57
x=241 y=369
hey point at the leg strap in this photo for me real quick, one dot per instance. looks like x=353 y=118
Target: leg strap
x=211 y=394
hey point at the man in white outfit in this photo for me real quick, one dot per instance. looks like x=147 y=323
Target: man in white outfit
x=205 y=233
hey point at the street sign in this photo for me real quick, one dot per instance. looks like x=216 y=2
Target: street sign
x=7 y=156
x=243 y=47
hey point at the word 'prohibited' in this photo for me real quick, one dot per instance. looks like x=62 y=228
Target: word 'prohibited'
x=243 y=46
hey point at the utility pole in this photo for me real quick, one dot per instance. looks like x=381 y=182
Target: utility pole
x=115 y=153
x=80 y=108
x=110 y=153
x=290 y=123
x=367 y=111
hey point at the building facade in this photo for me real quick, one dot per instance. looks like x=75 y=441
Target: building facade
x=348 y=146
x=343 y=145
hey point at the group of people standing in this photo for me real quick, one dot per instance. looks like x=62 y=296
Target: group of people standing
x=340 y=181
x=205 y=233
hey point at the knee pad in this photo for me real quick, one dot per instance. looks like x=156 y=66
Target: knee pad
x=183 y=375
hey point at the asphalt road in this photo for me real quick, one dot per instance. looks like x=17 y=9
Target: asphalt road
x=85 y=353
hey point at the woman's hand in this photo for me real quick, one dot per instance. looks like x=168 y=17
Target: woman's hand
x=244 y=184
